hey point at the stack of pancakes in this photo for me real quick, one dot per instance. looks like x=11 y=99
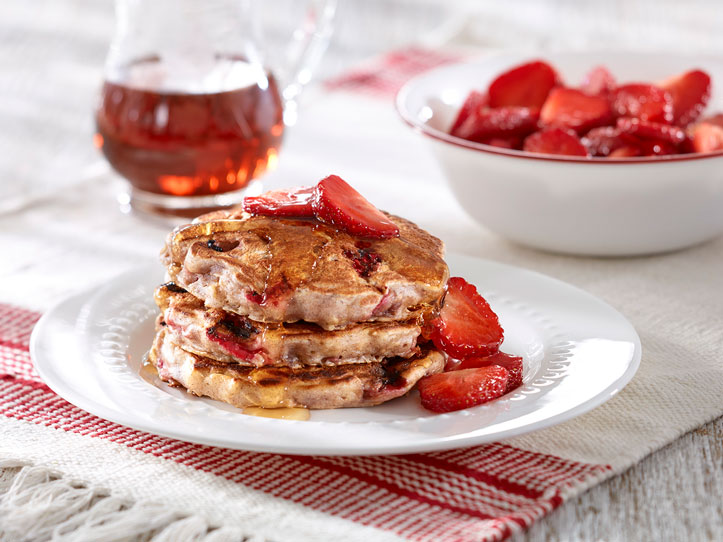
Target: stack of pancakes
x=282 y=312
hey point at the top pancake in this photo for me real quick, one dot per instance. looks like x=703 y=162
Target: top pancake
x=286 y=270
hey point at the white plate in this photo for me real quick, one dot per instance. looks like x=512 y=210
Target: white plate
x=578 y=353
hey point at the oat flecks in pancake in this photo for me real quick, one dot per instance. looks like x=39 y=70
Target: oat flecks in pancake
x=286 y=270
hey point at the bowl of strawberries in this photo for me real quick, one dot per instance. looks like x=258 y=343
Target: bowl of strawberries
x=606 y=154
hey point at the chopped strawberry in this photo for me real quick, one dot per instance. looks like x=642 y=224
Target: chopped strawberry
x=690 y=92
x=573 y=109
x=446 y=392
x=651 y=130
x=466 y=325
x=502 y=122
x=508 y=143
x=337 y=203
x=628 y=151
x=598 y=81
x=604 y=140
x=644 y=102
x=475 y=101
x=555 y=141
x=716 y=119
x=526 y=85
x=513 y=364
x=686 y=147
x=285 y=202
x=657 y=147
x=707 y=137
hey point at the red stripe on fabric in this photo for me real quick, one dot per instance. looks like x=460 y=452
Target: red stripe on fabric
x=15 y=345
x=497 y=482
x=373 y=480
x=25 y=382
x=385 y=75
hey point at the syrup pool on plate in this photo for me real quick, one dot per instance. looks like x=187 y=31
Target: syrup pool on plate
x=301 y=414
x=185 y=135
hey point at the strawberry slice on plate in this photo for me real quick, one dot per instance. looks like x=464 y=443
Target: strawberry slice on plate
x=555 y=141
x=286 y=202
x=690 y=92
x=335 y=202
x=466 y=325
x=513 y=364
x=446 y=392
x=526 y=85
x=651 y=130
x=502 y=122
x=598 y=82
x=475 y=100
x=644 y=102
x=573 y=109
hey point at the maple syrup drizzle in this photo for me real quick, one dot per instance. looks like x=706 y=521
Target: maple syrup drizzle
x=301 y=414
x=148 y=372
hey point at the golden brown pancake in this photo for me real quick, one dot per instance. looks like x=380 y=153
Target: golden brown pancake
x=232 y=338
x=287 y=270
x=350 y=385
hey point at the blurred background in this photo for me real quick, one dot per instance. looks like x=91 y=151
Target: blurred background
x=52 y=55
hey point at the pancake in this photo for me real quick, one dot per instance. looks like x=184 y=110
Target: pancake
x=287 y=270
x=232 y=338
x=318 y=387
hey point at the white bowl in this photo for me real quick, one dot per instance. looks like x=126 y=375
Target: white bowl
x=592 y=206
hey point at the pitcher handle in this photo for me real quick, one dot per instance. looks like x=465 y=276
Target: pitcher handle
x=303 y=53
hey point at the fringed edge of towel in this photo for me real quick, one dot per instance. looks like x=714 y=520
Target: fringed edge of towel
x=38 y=504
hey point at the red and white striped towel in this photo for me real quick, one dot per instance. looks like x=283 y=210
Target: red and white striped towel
x=384 y=76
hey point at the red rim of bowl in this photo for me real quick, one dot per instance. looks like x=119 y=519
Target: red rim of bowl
x=421 y=127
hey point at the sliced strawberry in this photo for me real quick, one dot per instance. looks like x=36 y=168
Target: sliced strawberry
x=445 y=392
x=475 y=100
x=628 y=151
x=604 y=140
x=707 y=137
x=716 y=119
x=686 y=147
x=651 y=130
x=466 y=325
x=644 y=102
x=502 y=122
x=513 y=364
x=690 y=92
x=598 y=81
x=505 y=143
x=573 y=109
x=555 y=141
x=526 y=85
x=657 y=147
x=338 y=204
x=286 y=202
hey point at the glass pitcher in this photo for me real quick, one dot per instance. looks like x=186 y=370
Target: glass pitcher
x=190 y=112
